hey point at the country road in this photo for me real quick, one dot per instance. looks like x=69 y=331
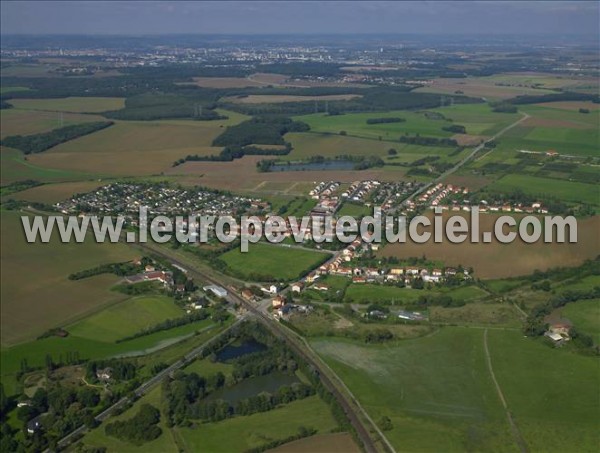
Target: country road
x=472 y=154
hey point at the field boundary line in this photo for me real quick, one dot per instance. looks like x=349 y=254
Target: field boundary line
x=513 y=426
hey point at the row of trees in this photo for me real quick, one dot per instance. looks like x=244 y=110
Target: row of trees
x=37 y=143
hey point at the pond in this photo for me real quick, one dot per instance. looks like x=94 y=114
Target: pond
x=312 y=166
x=252 y=387
x=233 y=350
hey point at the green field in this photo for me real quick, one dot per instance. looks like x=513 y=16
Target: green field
x=435 y=389
x=438 y=392
x=6 y=90
x=372 y=293
x=545 y=187
x=26 y=122
x=126 y=318
x=552 y=393
x=278 y=262
x=242 y=433
x=585 y=316
x=71 y=104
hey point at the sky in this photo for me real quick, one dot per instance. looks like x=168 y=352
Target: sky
x=295 y=17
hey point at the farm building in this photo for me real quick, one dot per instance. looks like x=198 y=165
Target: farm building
x=216 y=290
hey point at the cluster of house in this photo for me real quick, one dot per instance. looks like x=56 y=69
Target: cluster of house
x=359 y=190
x=328 y=200
x=283 y=309
x=160 y=198
x=445 y=197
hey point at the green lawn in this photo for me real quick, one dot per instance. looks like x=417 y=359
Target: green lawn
x=242 y=433
x=354 y=210
x=264 y=260
x=126 y=318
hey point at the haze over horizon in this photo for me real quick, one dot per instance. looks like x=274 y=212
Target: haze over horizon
x=302 y=17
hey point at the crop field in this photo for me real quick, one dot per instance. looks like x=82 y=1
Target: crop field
x=281 y=263
x=572 y=106
x=257 y=429
x=546 y=187
x=553 y=394
x=505 y=85
x=36 y=291
x=280 y=98
x=496 y=260
x=309 y=144
x=15 y=167
x=126 y=318
x=403 y=381
x=132 y=148
x=585 y=316
x=71 y=104
x=26 y=122
x=52 y=193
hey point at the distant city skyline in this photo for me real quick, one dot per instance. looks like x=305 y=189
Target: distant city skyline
x=292 y=17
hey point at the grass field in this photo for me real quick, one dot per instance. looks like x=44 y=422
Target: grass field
x=372 y=293
x=439 y=394
x=279 y=262
x=553 y=394
x=585 y=316
x=496 y=260
x=436 y=390
x=71 y=104
x=477 y=313
x=6 y=90
x=545 y=187
x=354 y=210
x=258 y=429
x=126 y=318
x=320 y=443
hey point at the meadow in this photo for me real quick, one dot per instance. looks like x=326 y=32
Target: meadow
x=278 y=262
x=585 y=316
x=53 y=193
x=552 y=394
x=257 y=429
x=320 y=443
x=126 y=318
x=36 y=291
x=372 y=293
x=71 y=104
x=403 y=382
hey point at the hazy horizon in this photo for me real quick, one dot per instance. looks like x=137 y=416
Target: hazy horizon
x=140 y=18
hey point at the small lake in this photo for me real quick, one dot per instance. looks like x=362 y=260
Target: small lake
x=252 y=387
x=233 y=351
x=315 y=166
